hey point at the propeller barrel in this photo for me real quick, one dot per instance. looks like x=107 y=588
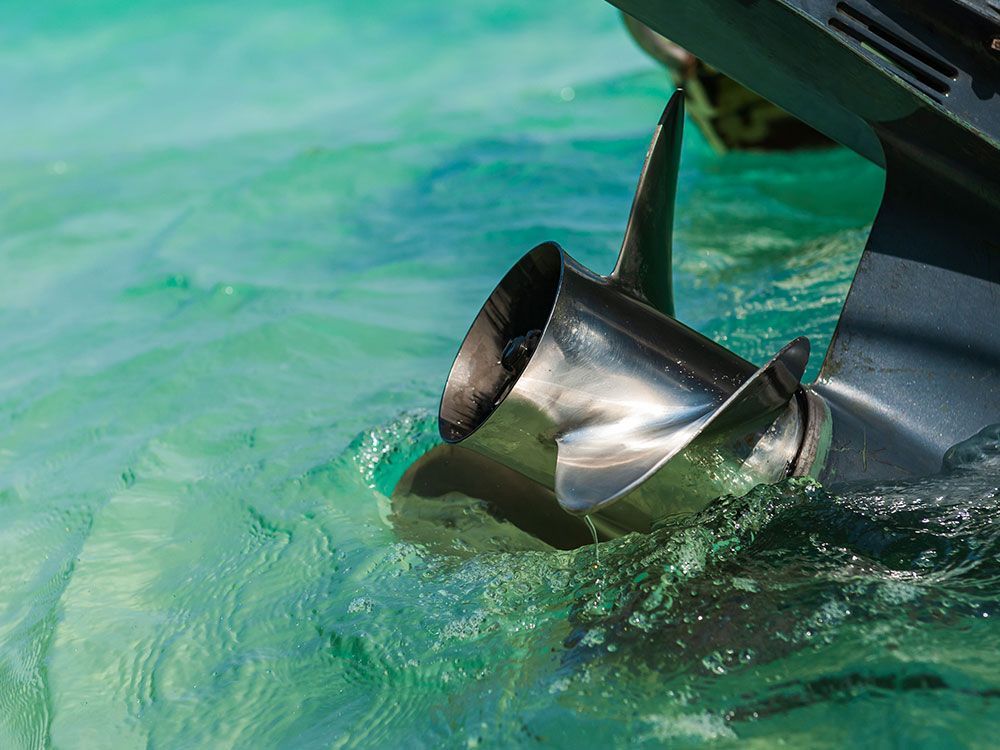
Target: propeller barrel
x=610 y=391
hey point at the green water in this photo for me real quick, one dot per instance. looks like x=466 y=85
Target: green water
x=240 y=246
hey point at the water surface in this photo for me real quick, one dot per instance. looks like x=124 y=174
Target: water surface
x=241 y=244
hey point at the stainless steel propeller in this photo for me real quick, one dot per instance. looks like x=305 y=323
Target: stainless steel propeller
x=588 y=386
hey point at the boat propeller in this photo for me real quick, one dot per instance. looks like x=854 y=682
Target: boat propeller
x=607 y=406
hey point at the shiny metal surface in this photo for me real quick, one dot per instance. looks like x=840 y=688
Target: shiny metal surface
x=588 y=388
x=438 y=484
x=644 y=268
x=613 y=391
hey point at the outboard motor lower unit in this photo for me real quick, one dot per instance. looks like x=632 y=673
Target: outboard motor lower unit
x=581 y=393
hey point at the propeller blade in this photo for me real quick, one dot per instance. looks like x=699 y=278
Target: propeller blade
x=643 y=269
x=597 y=464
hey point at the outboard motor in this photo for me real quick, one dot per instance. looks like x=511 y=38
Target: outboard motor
x=581 y=393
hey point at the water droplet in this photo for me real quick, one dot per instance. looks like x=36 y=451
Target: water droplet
x=593 y=533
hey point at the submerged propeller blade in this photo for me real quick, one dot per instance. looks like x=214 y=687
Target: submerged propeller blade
x=643 y=269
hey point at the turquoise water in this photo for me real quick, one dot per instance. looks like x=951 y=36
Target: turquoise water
x=241 y=244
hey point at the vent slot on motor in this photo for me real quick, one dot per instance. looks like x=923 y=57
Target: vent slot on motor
x=919 y=65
